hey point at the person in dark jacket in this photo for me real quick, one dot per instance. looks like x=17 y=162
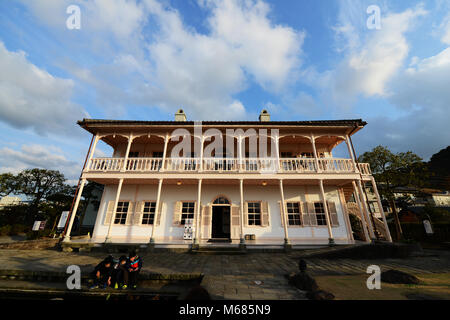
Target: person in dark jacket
x=119 y=276
x=134 y=265
x=102 y=273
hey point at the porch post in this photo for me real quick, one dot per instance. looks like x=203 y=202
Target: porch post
x=352 y=156
x=366 y=210
x=74 y=212
x=197 y=214
x=380 y=205
x=313 y=142
x=202 y=141
x=361 y=212
x=130 y=141
x=116 y=200
x=241 y=188
x=327 y=216
x=97 y=137
x=158 y=200
x=166 y=141
x=277 y=145
x=241 y=164
x=283 y=208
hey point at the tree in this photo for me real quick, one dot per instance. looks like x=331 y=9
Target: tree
x=404 y=169
x=8 y=184
x=440 y=169
x=39 y=185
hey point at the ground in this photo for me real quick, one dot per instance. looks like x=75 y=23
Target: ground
x=260 y=275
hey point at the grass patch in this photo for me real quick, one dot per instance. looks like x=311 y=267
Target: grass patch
x=354 y=287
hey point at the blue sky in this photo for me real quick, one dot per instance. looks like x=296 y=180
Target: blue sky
x=220 y=60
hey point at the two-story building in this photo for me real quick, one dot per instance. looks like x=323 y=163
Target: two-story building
x=245 y=183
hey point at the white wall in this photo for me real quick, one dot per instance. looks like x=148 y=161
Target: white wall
x=165 y=232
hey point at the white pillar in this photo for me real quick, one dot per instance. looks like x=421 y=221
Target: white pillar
x=74 y=211
x=352 y=156
x=166 y=141
x=130 y=141
x=366 y=210
x=158 y=200
x=277 y=146
x=380 y=205
x=241 y=187
x=116 y=200
x=97 y=137
x=202 y=141
x=197 y=214
x=313 y=142
x=325 y=208
x=283 y=208
x=241 y=164
x=361 y=211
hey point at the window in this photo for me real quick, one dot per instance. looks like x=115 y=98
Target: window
x=221 y=200
x=293 y=212
x=187 y=211
x=254 y=213
x=158 y=154
x=133 y=154
x=148 y=216
x=320 y=214
x=121 y=212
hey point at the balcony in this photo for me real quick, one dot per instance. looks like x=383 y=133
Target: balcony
x=226 y=165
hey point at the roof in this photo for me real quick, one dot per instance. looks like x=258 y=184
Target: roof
x=328 y=123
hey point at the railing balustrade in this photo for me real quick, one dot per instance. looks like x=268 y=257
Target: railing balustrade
x=247 y=165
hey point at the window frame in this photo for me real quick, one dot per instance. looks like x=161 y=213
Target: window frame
x=254 y=214
x=183 y=219
x=149 y=213
x=299 y=214
x=123 y=215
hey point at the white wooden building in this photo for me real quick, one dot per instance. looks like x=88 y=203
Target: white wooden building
x=233 y=192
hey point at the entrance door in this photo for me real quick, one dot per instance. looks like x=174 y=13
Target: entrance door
x=220 y=222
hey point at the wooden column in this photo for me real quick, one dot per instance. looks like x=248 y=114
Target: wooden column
x=361 y=211
x=366 y=210
x=327 y=215
x=283 y=208
x=74 y=211
x=166 y=141
x=380 y=205
x=241 y=188
x=158 y=200
x=116 y=200
x=197 y=215
x=97 y=137
x=130 y=141
x=316 y=158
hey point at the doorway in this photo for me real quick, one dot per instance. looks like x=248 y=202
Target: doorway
x=221 y=222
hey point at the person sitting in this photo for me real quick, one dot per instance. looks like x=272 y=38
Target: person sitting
x=102 y=274
x=119 y=273
x=134 y=265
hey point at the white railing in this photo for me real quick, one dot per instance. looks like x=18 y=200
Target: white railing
x=364 y=168
x=336 y=165
x=246 y=165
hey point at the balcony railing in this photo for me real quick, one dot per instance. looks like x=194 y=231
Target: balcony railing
x=226 y=165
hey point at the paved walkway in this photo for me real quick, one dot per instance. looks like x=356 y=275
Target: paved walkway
x=250 y=276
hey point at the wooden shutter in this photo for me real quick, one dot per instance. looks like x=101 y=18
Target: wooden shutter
x=333 y=213
x=306 y=221
x=158 y=212
x=206 y=221
x=109 y=212
x=235 y=222
x=245 y=214
x=137 y=217
x=312 y=214
x=177 y=213
x=130 y=211
x=281 y=213
x=264 y=214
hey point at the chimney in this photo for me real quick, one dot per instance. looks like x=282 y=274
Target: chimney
x=180 y=115
x=264 y=116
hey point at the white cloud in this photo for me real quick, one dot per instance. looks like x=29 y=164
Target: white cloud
x=38 y=156
x=30 y=97
x=172 y=64
x=367 y=69
x=445 y=27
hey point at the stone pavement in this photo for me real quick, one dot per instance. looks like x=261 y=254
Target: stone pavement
x=251 y=276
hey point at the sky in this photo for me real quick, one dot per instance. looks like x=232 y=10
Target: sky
x=220 y=60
